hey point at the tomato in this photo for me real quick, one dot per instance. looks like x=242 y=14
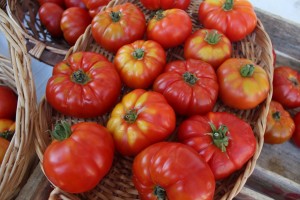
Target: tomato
x=280 y=124
x=8 y=103
x=286 y=86
x=208 y=45
x=50 y=15
x=84 y=85
x=95 y=6
x=170 y=27
x=185 y=86
x=139 y=120
x=218 y=138
x=7 y=128
x=119 y=25
x=165 y=4
x=140 y=62
x=79 y=156
x=235 y=18
x=61 y=3
x=74 y=3
x=174 y=171
x=73 y=23
x=296 y=134
x=4 y=144
x=243 y=84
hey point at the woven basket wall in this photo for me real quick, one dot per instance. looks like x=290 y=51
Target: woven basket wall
x=117 y=184
x=15 y=72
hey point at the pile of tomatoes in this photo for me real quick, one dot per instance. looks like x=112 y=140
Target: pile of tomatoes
x=8 y=108
x=143 y=95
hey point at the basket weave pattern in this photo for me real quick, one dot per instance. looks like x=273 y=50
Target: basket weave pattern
x=117 y=184
x=16 y=73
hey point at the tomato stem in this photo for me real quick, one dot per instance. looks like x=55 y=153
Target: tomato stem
x=115 y=16
x=212 y=37
x=160 y=192
x=7 y=134
x=61 y=131
x=159 y=14
x=219 y=136
x=228 y=5
x=131 y=116
x=247 y=70
x=276 y=115
x=80 y=77
x=190 y=78
x=138 y=53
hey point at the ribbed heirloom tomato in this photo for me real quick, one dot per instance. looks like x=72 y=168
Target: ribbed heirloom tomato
x=235 y=18
x=118 y=25
x=140 y=62
x=280 y=124
x=8 y=102
x=190 y=86
x=225 y=141
x=165 y=4
x=139 y=120
x=79 y=156
x=172 y=171
x=84 y=85
x=95 y=6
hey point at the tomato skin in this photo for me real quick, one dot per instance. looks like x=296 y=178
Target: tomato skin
x=296 y=134
x=188 y=98
x=235 y=23
x=139 y=120
x=74 y=3
x=129 y=26
x=176 y=168
x=167 y=28
x=8 y=103
x=90 y=98
x=165 y=4
x=73 y=23
x=7 y=128
x=50 y=15
x=238 y=91
x=61 y=3
x=208 y=45
x=286 y=86
x=280 y=124
x=66 y=168
x=140 y=62
x=4 y=144
x=197 y=133
x=95 y=6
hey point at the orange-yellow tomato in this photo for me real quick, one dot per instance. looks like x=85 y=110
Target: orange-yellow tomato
x=3 y=147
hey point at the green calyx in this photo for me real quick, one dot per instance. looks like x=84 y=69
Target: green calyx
x=80 y=77
x=159 y=15
x=160 y=193
x=189 y=78
x=212 y=37
x=276 y=116
x=7 y=135
x=138 y=54
x=247 y=70
x=131 y=116
x=115 y=16
x=228 y=5
x=219 y=136
x=62 y=131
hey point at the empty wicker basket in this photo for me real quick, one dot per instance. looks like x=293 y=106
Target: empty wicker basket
x=117 y=184
x=15 y=72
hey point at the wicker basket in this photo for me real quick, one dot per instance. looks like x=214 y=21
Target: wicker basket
x=40 y=44
x=117 y=184
x=16 y=73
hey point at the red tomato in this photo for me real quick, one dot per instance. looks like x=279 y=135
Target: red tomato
x=79 y=156
x=119 y=25
x=280 y=124
x=170 y=28
x=4 y=144
x=8 y=103
x=235 y=18
x=243 y=84
x=61 y=3
x=73 y=23
x=84 y=85
x=50 y=15
x=185 y=86
x=95 y=6
x=172 y=171
x=140 y=62
x=296 y=134
x=74 y=3
x=286 y=86
x=139 y=120
x=165 y=4
x=218 y=138
x=208 y=45
x=7 y=128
